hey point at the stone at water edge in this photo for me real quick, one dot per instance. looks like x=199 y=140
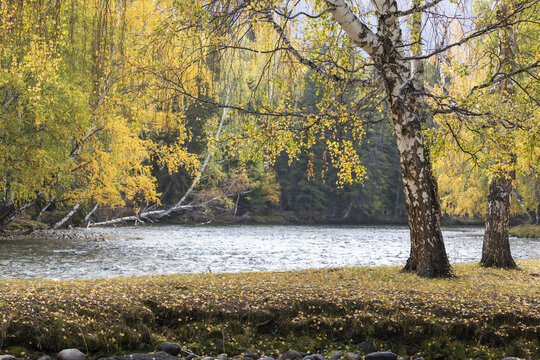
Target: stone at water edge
x=169 y=348
x=365 y=347
x=222 y=357
x=44 y=357
x=251 y=355
x=291 y=355
x=511 y=358
x=318 y=357
x=336 y=355
x=7 y=357
x=439 y=357
x=71 y=354
x=207 y=358
x=267 y=358
x=353 y=356
x=161 y=355
x=403 y=358
x=381 y=355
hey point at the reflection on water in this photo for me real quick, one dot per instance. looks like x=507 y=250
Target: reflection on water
x=166 y=249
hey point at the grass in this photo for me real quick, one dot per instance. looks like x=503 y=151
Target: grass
x=525 y=231
x=479 y=312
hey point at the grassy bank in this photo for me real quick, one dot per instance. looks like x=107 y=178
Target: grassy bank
x=525 y=231
x=480 y=311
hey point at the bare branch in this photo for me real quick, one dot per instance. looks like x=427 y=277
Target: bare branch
x=372 y=83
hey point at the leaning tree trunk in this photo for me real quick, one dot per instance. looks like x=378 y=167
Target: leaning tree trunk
x=496 y=246
x=8 y=212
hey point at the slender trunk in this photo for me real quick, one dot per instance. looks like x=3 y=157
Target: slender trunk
x=537 y=198
x=68 y=216
x=209 y=150
x=94 y=209
x=496 y=246
x=43 y=209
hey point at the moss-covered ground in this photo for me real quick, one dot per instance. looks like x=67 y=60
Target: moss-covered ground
x=478 y=312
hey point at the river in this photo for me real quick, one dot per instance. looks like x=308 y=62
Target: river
x=166 y=249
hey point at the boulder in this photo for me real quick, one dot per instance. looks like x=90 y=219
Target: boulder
x=336 y=355
x=291 y=355
x=318 y=357
x=44 y=357
x=7 y=357
x=267 y=358
x=353 y=356
x=365 y=347
x=222 y=357
x=71 y=354
x=160 y=355
x=511 y=358
x=381 y=355
x=207 y=358
x=439 y=357
x=169 y=348
x=251 y=355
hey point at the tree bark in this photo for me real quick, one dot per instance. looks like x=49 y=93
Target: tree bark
x=404 y=82
x=9 y=211
x=428 y=255
x=496 y=246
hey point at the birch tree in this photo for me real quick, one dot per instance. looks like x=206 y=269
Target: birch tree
x=377 y=50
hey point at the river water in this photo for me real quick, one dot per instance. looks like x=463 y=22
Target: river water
x=166 y=249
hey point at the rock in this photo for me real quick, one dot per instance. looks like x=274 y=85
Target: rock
x=44 y=357
x=190 y=356
x=403 y=358
x=366 y=347
x=207 y=358
x=251 y=355
x=267 y=358
x=222 y=357
x=169 y=348
x=336 y=355
x=245 y=358
x=353 y=356
x=318 y=357
x=381 y=355
x=291 y=355
x=308 y=357
x=97 y=356
x=160 y=355
x=7 y=357
x=439 y=357
x=511 y=358
x=71 y=354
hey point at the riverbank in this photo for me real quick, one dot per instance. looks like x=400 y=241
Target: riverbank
x=525 y=231
x=478 y=312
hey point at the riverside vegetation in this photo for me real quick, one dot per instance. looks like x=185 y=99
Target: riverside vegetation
x=478 y=312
